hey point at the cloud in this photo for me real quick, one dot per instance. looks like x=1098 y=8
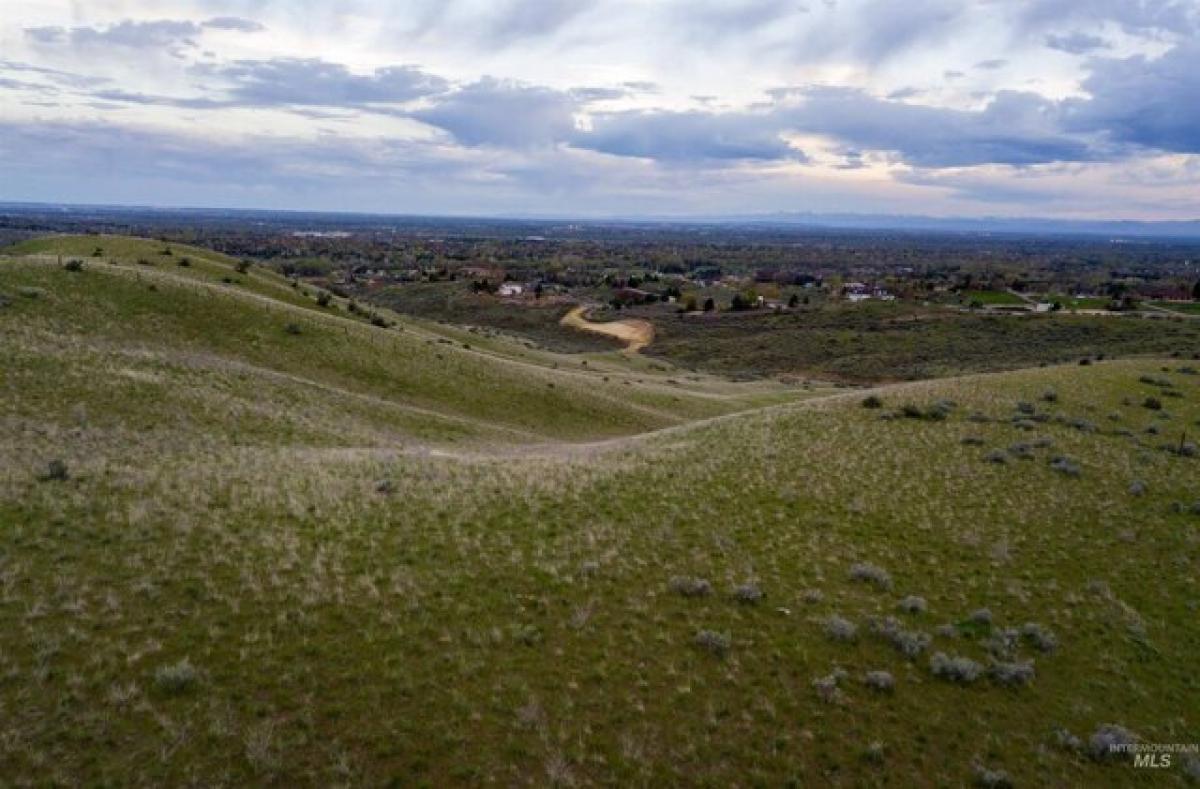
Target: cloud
x=992 y=64
x=503 y=113
x=294 y=82
x=235 y=23
x=1147 y=102
x=314 y=82
x=158 y=33
x=58 y=76
x=1077 y=43
x=1014 y=128
x=688 y=136
x=128 y=33
x=516 y=20
x=1137 y=17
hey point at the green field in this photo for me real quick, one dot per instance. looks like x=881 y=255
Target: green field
x=1188 y=308
x=287 y=547
x=1000 y=298
x=874 y=342
x=1072 y=303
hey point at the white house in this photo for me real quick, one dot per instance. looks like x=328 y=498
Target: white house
x=511 y=289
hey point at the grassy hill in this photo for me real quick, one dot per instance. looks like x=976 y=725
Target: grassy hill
x=285 y=546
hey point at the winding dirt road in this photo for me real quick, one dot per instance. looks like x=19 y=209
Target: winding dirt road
x=634 y=332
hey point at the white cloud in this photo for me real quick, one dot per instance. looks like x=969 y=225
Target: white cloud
x=946 y=105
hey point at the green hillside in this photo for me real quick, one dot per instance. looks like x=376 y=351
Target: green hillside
x=247 y=539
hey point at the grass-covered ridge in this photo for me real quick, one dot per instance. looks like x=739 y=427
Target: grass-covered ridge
x=303 y=558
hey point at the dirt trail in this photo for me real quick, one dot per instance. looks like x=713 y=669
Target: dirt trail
x=634 y=332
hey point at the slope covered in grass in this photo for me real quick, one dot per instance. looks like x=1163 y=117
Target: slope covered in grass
x=130 y=336
x=244 y=577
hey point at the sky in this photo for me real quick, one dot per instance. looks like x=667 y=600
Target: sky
x=1066 y=109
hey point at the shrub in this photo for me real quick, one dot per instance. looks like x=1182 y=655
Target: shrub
x=910 y=643
x=1025 y=408
x=324 y=298
x=74 y=264
x=378 y=321
x=1050 y=396
x=1065 y=465
x=1012 y=674
x=881 y=681
x=176 y=678
x=980 y=616
x=998 y=456
x=185 y=262
x=1041 y=638
x=955 y=669
x=714 y=643
x=27 y=292
x=293 y=328
x=913 y=604
x=840 y=629
x=1137 y=488
x=748 y=594
x=1107 y=740
x=972 y=441
x=1152 y=403
x=872 y=401
x=144 y=262
x=987 y=778
x=1002 y=643
x=827 y=686
x=690 y=587
x=1021 y=450
x=874 y=753
x=872 y=574
x=242 y=266
x=1067 y=741
x=56 y=471
x=812 y=596
x=1082 y=425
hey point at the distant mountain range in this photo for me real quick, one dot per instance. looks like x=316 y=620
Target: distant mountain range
x=1016 y=226
x=799 y=221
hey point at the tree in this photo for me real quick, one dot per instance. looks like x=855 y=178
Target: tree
x=793 y=302
x=709 y=304
x=1196 y=291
